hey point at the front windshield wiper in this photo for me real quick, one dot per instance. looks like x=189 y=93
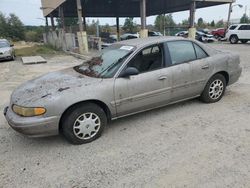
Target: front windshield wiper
x=115 y=63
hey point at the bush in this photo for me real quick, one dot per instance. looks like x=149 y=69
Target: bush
x=32 y=36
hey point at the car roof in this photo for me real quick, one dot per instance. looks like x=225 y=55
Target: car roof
x=239 y=24
x=140 y=42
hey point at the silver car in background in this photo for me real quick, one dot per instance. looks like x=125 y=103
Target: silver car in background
x=128 y=77
x=6 y=50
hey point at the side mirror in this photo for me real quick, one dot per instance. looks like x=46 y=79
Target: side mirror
x=129 y=71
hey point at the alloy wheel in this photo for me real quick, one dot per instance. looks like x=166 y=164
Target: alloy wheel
x=216 y=89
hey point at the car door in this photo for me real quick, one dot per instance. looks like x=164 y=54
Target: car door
x=242 y=32
x=149 y=89
x=248 y=32
x=181 y=54
x=201 y=70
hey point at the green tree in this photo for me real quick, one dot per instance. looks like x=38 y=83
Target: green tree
x=106 y=28
x=68 y=21
x=34 y=33
x=170 y=21
x=185 y=22
x=220 y=23
x=15 y=27
x=91 y=28
x=129 y=26
x=3 y=26
x=244 y=19
x=162 y=21
x=212 y=24
x=200 y=22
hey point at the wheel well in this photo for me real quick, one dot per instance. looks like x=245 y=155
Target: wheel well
x=97 y=102
x=233 y=35
x=225 y=74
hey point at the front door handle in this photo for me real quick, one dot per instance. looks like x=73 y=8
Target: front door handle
x=162 y=78
x=205 y=67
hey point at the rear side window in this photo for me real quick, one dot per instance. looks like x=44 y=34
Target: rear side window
x=200 y=53
x=244 y=27
x=233 y=27
x=181 y=51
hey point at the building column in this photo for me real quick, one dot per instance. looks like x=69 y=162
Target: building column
x=84 y=23
x=229 y=15
x=62 y=17
x=192 y=29
x=52 y=22
x=79 y=13
x=82 y=35
x=118 y=28
x=144 y=31
x=46 y=24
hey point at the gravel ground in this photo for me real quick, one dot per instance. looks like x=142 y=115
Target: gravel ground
x=189 y=144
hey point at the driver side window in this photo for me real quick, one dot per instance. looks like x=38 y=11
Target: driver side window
x=148 y=59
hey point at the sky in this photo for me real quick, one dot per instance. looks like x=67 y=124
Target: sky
x=30 y=14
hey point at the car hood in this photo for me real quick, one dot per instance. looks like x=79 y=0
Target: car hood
x=2 y=50
x=50 y=86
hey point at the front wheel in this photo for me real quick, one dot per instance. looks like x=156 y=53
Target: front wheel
x=214 y=89
x=83 y=123
x=233 y=39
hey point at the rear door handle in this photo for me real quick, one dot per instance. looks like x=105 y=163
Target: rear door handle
x=162 y=78
x=205 y=67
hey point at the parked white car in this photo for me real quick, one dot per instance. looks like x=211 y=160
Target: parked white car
x=6 y=50
x=238 y=32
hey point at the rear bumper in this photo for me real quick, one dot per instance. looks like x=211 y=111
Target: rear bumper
x=234 y=76
x=32 y=126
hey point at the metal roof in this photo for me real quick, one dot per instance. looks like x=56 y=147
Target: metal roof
x=49 y=6
x=124 y=8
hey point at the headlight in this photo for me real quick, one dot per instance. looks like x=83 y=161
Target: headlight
x=27 y=111
x=7 y=52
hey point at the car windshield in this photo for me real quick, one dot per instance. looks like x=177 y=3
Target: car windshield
x=107 y=63
x=4 y=44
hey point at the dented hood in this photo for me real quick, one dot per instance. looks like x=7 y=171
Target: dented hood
x=50 y=86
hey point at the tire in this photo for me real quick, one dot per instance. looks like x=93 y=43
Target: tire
x=234 y=39
x=214 y=90
x=244 y=41
x=83 y=123
x=217 y=36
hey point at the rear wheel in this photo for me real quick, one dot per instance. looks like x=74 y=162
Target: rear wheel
x=214 y=89
x=83 y=124
x=234 y=39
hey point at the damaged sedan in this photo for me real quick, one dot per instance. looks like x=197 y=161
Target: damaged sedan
x=126 y=78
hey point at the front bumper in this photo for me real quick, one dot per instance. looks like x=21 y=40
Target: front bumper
x=5 y=57
x=37 y=126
